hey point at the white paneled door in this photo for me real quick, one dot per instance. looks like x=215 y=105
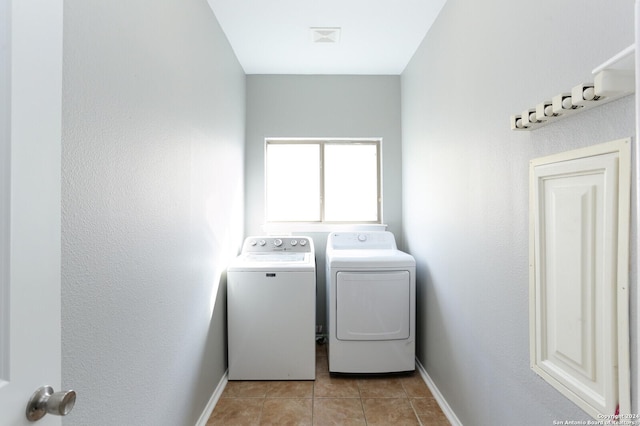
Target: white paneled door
x=30 y=126
x=579 y=275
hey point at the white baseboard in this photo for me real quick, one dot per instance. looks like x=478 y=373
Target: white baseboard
x=202 y=421
x=446 y=409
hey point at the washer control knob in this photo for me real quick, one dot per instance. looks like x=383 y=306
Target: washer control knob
x=294 y=242
x=303 y=242
x=362 y=237
x=253 y=242
x=277 y=242
x=262 y=242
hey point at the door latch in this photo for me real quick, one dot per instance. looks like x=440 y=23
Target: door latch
x=44 y=401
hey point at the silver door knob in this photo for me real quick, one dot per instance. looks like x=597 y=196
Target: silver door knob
x=44 y=401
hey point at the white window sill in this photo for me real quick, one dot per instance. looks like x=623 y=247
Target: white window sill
x=300 y=228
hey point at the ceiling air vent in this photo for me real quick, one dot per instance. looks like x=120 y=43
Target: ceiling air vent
x=325 y=35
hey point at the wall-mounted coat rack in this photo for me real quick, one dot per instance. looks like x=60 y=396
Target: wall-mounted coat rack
x=613 y=79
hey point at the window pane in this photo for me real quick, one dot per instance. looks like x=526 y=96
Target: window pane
x=293 y=182
x=351 y=183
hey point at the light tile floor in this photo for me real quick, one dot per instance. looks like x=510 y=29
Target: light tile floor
x=329 y=400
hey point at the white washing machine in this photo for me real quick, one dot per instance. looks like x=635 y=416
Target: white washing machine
x=370 y=304
x=271 y=310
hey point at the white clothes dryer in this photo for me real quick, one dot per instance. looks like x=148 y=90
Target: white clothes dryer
x=370 y=304
x=271 y=310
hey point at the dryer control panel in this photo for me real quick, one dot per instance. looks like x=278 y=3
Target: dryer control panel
x=270 y=244
x=372 y=240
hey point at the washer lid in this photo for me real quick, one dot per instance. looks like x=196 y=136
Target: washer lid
x=280 y=261
x=274 y=257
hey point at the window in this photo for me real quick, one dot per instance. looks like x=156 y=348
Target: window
x=311 y=180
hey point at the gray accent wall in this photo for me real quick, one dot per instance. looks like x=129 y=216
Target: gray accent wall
x=331 y=106
x=465 y=188
x=152 y=208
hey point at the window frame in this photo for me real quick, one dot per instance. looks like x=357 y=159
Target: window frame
x=322 y=142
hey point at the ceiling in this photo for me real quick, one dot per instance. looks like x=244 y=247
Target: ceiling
x=376 y=36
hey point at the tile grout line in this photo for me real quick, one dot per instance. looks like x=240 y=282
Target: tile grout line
x=413 y=408
x=262 y=407
x=364 y=413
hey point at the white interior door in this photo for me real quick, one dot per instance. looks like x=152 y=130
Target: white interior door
x=579 y=275
x=30 y=122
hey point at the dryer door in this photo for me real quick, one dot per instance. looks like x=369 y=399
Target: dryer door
x=372 y=305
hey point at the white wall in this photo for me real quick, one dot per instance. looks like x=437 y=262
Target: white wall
x=323 y=106
x=153 y=148
x=465 y=178
x=636 y=260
